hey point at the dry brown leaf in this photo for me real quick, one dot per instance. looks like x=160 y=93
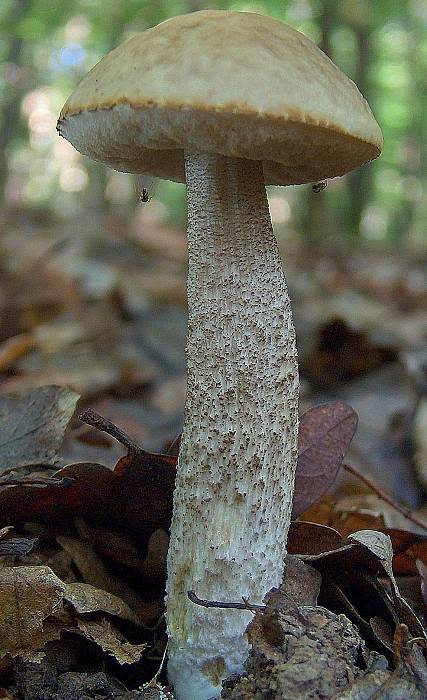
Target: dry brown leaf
x=115 y=545
x=342 y=515
x=379 y=544
x=33 y=426
x=324 y=437
x=301 y=582
x=87 y=599
x=93 y=570
x=408 y=548
x=89 y=564
x=28 y=595
x=111 y=641
x=312 y=538
x=154 y=564
x=342 y=353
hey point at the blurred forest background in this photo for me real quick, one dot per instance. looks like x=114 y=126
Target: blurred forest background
x=92 y=280
x=46 y=47
x=93 y=300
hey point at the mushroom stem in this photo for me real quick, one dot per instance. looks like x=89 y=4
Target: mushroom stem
x=238 y=452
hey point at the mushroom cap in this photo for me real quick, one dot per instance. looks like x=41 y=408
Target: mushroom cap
x=235 y=83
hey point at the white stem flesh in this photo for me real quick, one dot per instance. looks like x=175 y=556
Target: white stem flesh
x=238 y=452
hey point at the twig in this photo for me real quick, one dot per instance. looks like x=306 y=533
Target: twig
x=93 y=418
x=173 y=445
x=248 y=605
x=216 y=604
x=404 y=510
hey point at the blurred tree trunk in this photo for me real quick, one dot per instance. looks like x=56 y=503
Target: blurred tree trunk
x=316 y=220
x=10 y=106
x=414 y=157
x=360 y=181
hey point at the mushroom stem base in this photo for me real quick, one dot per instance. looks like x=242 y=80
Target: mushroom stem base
x=238 y=452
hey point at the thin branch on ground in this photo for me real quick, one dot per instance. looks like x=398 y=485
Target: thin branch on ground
x=403 y=510
x=246 y=605
x=172 y=447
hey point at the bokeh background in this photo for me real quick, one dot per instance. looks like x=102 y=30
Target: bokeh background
x=45 y=48
x=92 y=281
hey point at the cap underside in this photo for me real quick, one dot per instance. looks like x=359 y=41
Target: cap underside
x=133 y=139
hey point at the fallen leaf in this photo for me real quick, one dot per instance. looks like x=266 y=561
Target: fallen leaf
x=94 y=572
x=342 y=516
x=350 y=584
x=325 y=434
x=379 y=544
x=97 y=353
x=408 y=548
x=33 y=425
x=115 y=545
x=154 y=564
x=111 y=641
x=301 y=582
x=28 y=595
x=86 y=599
x=312 y=538
x=383 y=631
x=137 y=495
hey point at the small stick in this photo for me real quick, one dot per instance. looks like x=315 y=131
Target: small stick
x=248 y=605
x=173 y=444
x=216 y=604
x=404 y=510
x=93 y=418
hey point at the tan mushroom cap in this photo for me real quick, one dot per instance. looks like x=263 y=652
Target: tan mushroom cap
x=235 y=83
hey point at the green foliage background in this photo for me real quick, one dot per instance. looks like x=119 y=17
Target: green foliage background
x=45 y=48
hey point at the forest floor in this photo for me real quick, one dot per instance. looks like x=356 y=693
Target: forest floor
x=97 y=306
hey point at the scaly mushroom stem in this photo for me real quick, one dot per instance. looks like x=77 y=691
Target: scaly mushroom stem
x=239 y=446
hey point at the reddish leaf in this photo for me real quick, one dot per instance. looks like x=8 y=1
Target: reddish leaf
x=311 y=538
x=331 y=512
x=325 y=434
x=408 y=547
x=136 y=495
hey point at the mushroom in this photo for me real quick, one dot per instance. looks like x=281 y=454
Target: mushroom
x=227 y=102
